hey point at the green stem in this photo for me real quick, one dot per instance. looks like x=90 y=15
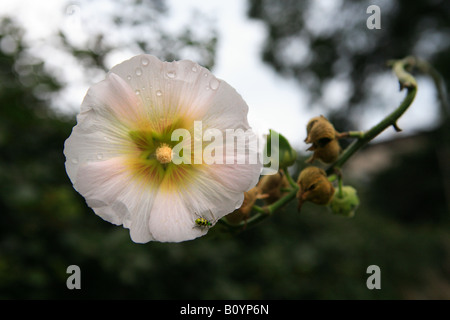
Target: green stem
x=406 y=81
x=289 y=179
x=332 y=177
x=282 y=201
x=260 y=210
x=350 y=134
x=264 y=212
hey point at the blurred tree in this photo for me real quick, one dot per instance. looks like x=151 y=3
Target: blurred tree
x=326 y=46
x=106 y=28
x=34 y=196
x=422 y=197
x=45 y=226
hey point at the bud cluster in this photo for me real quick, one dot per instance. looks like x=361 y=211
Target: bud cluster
x=314 y=185
x=269 y=189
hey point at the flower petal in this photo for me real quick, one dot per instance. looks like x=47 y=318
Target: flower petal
x=185 y=89
x=82 y=147
x=172 y=221
x=107 y=112
x=203 y=196
x=110 y=102
x=240 y=177
x=240 y=166
x=116 y=196
x=227 y=109
x=166 y=89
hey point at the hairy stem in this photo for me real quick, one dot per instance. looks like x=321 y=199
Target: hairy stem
x=407 y=81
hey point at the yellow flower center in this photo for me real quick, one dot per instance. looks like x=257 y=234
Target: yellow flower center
x=164 y=154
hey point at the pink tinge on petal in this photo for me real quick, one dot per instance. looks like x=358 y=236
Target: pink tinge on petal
x=111 y=102
x=116 y=197
x=167 y=89
x=108 y=112
x=116 y=96
x=82 y=147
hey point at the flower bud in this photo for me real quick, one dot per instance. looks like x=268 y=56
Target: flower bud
x=243 y=213
x=314 y=187
x=345 y=204
x=323 y=137
x=327 y=154
x=271 y=186
x=319 y=131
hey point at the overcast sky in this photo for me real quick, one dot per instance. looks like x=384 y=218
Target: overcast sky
x=274 y=102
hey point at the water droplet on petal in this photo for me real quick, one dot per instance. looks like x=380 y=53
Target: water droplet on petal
x=128 y=77
x=99 y=156
x=159 y=93
x=138 y=71
x=194 y=69
x=171 y=74
x=214 y=84
x=145 y=62
x=205 y=75
x=138 y=92
x=74 y=160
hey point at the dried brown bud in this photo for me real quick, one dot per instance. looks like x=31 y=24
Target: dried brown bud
x=323 y=137
x=327 y=154
x=314 y=187
x=250 y=198
x=319 y=131
x=244 y=211
x=271 y=186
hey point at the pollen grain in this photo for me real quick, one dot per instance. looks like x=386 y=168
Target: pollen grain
x=164 y=154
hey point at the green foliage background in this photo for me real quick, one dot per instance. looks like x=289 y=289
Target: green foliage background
x=402 y=225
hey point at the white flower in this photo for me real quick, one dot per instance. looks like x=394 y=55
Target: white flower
x=119 y=155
